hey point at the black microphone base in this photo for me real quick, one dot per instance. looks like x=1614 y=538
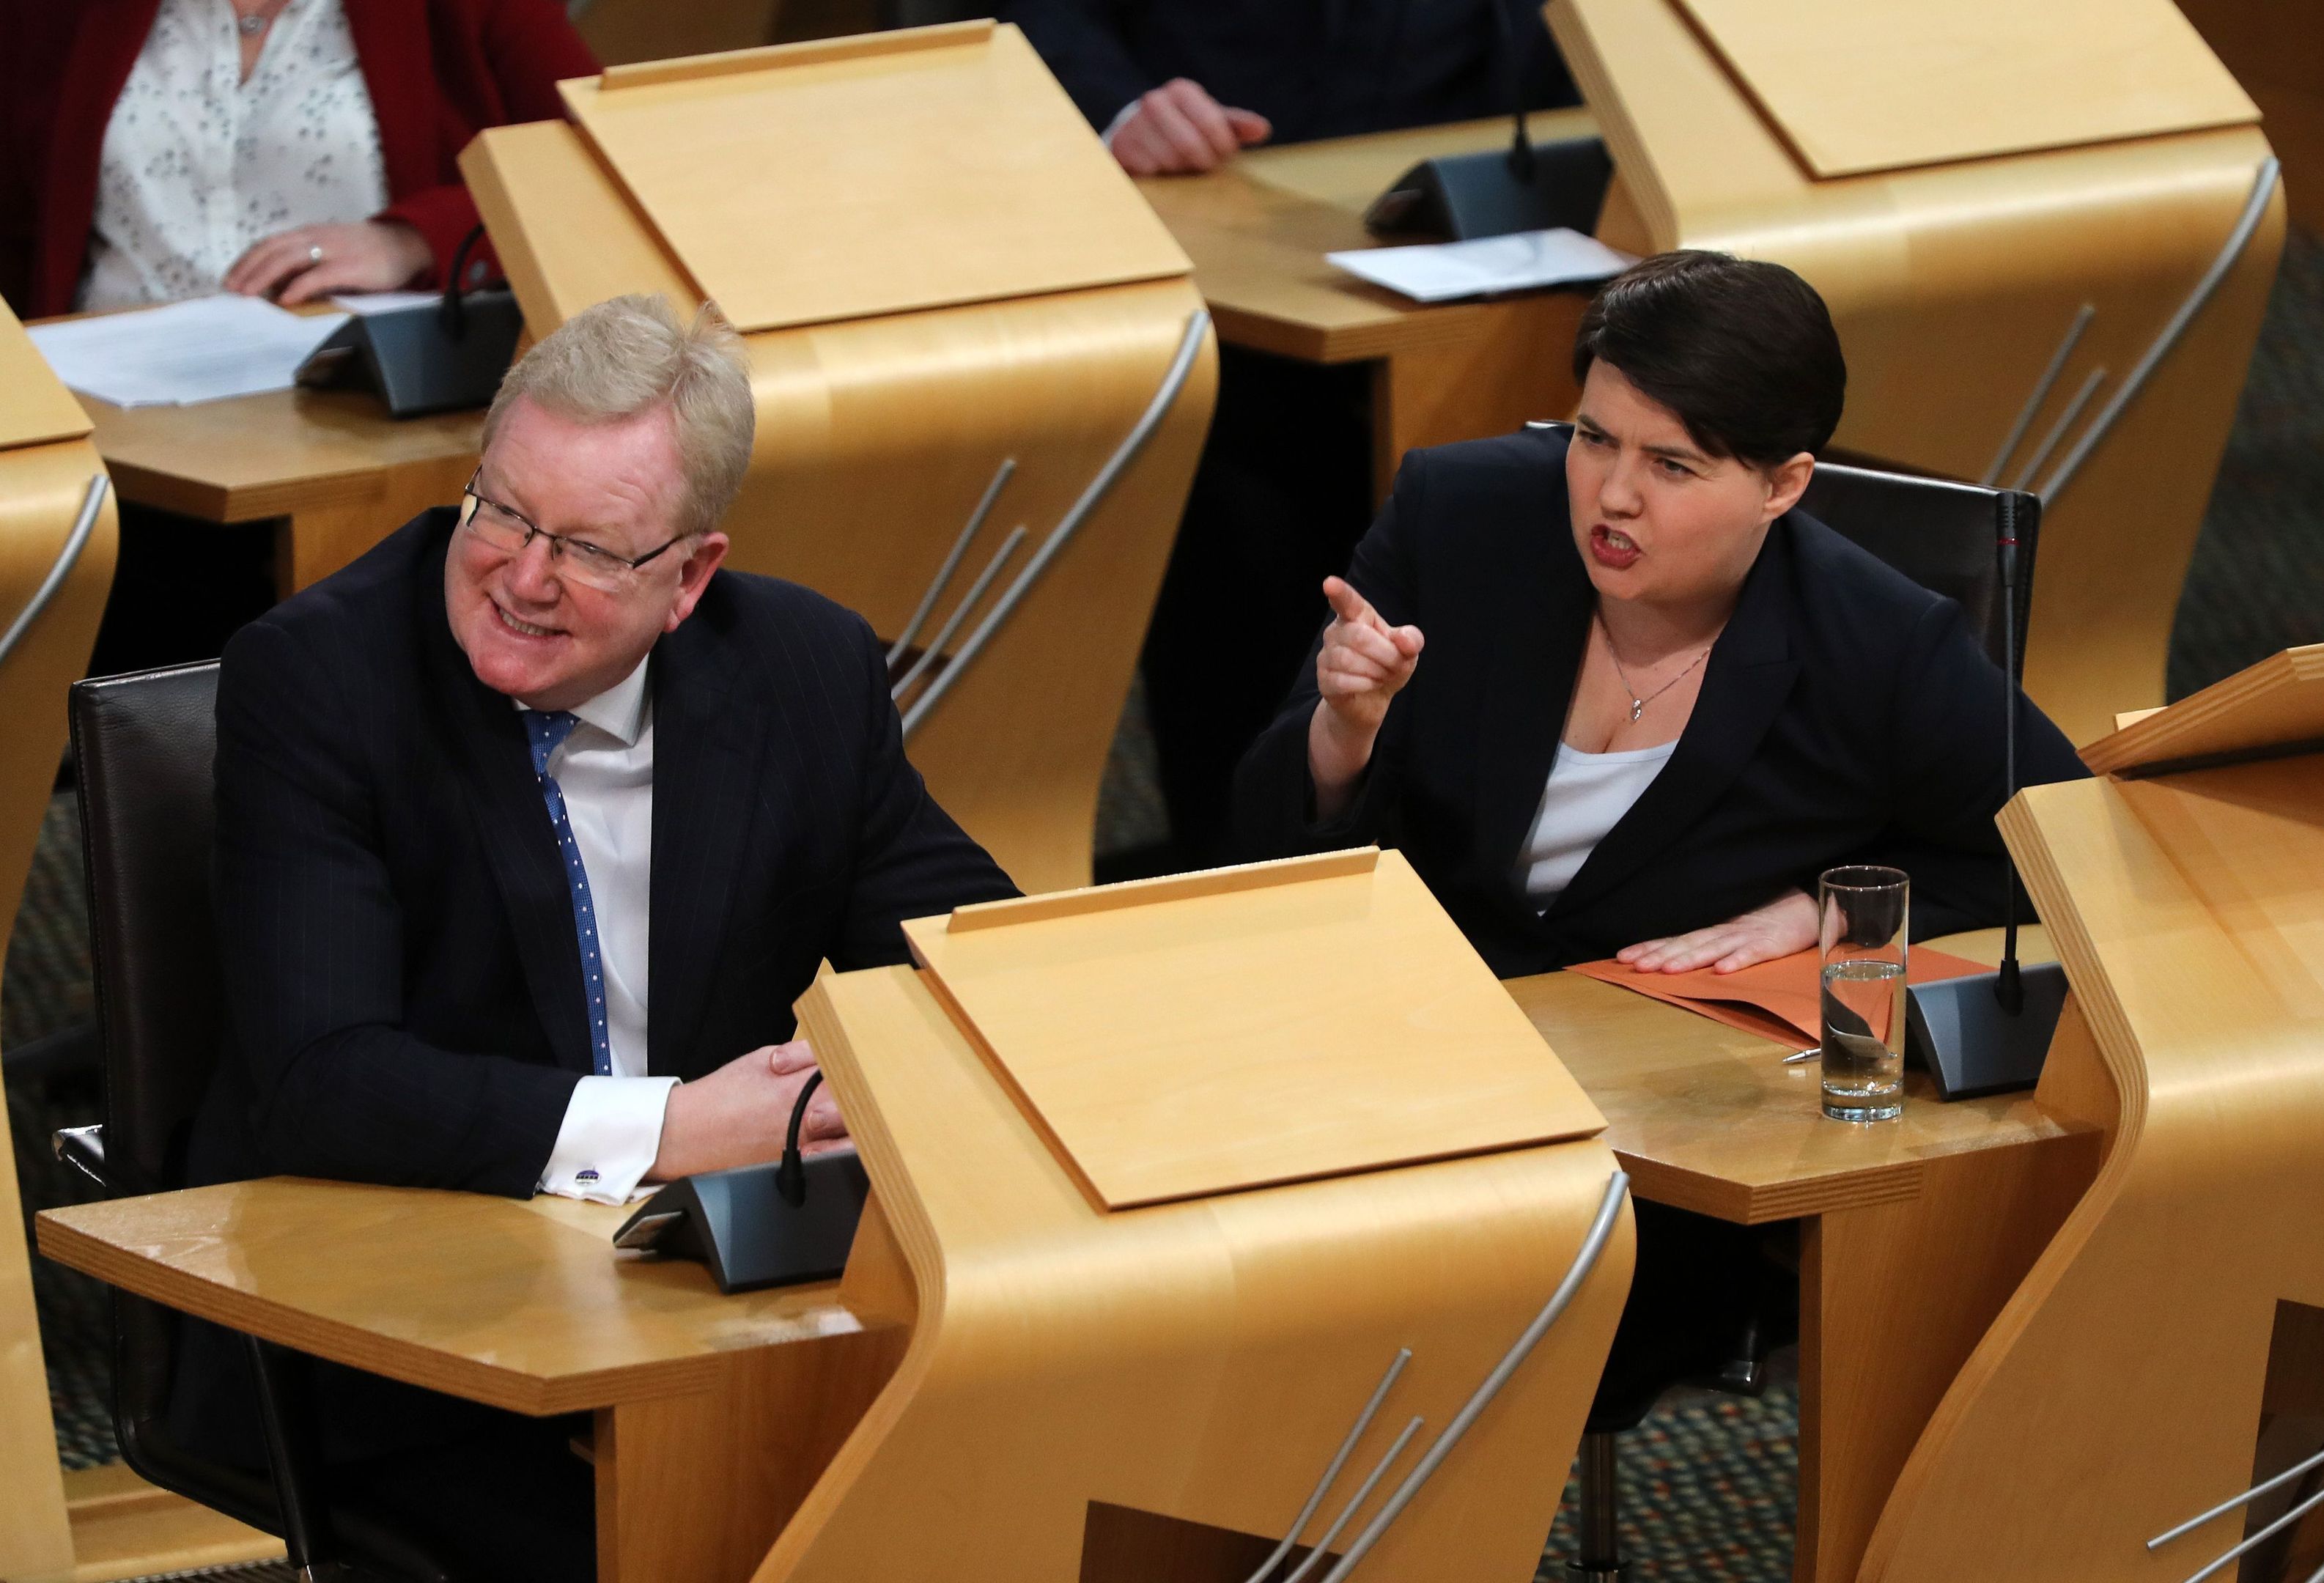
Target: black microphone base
x=1971 y=1044
x=1463 y=197
x=739 y=1223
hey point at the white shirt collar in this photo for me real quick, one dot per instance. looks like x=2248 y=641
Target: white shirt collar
x=620 y=710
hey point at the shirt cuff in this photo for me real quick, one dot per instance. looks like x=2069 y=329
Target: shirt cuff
x=609 y=1136
x=1120 y=119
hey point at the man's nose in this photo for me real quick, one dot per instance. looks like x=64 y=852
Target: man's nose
x=532 y=571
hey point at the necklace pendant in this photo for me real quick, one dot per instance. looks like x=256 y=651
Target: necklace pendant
x=1638 y=708
x=251 y=26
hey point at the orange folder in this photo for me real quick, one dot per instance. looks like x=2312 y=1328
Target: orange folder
x=1776 y=1000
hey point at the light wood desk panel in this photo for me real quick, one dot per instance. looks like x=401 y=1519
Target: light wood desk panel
x=1257 y=229
x=1914 y=1233
x=343 y=472
x=1916 y=1236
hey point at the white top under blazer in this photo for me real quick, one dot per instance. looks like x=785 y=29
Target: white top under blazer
x=1586 y=797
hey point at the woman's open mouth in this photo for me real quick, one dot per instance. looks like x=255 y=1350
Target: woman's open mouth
x=1613 y=548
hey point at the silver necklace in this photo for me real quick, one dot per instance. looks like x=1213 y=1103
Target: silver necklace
x=1638 y=704
x=251 y=24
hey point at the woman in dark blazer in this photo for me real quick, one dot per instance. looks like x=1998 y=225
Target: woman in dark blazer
x=438 y=72
x=1621 y=697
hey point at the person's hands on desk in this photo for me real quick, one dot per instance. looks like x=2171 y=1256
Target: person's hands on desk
x=307 y=261
x=740 y=1113
x=1785 y=924
x=1363 y=665
x=1178 y=129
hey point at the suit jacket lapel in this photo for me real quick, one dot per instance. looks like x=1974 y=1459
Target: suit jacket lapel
x=1745 y=683
x=487 y=744
x=1542 y=626
x=706 y=749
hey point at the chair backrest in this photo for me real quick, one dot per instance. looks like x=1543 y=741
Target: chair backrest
x=145 y=743
x=1939 y=533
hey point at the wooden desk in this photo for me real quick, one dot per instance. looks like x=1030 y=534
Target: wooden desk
x=332 y=462
x=714 y=1415
x=1257 y=229
x=1913 y=1233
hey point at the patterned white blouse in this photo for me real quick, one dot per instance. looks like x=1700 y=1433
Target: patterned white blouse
x=198 y=165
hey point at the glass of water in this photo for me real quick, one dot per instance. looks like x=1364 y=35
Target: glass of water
x=1865 y=911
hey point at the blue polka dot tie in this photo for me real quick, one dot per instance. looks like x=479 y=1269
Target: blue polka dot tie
x=547 y=731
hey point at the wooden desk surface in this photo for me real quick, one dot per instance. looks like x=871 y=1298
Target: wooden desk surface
x=520 y=1305
x=1709 y=1118
x=524 y=1305
x=1257 y=229
x=271 y=455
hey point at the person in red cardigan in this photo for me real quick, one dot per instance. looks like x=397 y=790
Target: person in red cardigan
x=437 y=73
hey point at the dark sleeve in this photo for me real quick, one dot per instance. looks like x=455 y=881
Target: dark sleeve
x=1274 y=794
x=529 y=46
x=1946 y=776
x=311 y=939
x=1085 y=43
x=912 y=862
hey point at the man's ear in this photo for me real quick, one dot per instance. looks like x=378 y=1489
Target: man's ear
x=693 y=576
x=1787 y=482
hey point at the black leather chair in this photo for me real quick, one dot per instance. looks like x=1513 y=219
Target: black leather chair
x=1946 y=537
x=144 y=744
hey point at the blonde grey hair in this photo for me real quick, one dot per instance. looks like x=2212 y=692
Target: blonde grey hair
x=631 y=354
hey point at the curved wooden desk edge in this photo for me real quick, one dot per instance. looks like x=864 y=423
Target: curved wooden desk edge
x=1064 y=1357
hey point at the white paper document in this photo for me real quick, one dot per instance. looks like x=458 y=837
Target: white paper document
x=366 y=303
x=1443 y=271
x=203 y=350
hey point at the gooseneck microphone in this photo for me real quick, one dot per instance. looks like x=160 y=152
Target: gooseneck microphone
x=2009 y=985
x=1521 y=156
x=1985 y=1032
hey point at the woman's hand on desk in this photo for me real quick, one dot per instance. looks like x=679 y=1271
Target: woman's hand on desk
x=1785 y=924
x=1363 y=665
x=740 y=1113
x=370 y=255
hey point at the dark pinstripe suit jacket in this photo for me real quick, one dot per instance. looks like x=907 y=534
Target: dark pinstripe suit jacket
x=403 y=983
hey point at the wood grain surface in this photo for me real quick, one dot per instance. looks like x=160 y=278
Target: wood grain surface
x=1186 y=1044
x=525 y=1305
x=124 y=1527
x=1195 y=1360
x=940 y=176
x=2270 y=706
x=43 y=485
x=1859 y=85
x=1951 y=287
x=2188 y=910
x=1257 y=228
x=876 y=437
x=34 y=408
x=1709 y=1118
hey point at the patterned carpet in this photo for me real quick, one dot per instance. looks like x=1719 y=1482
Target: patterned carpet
x=1709 y=1482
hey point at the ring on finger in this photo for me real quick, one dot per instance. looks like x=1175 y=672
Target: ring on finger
x=314 y=255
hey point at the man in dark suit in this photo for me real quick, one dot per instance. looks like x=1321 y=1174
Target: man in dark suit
x=531 y=825
x=1285 y=485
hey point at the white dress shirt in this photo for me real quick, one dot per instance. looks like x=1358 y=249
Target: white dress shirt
x=198 y=165
x=1586 y=797
x=612 y=1125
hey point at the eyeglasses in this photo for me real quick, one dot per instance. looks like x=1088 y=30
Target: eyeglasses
x=510 y=530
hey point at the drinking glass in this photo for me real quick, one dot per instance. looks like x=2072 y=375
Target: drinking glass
x=1862 y=938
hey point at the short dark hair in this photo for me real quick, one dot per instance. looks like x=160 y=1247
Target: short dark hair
x=1744 y=352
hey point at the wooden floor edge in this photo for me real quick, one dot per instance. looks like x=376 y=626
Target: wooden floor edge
x=124 y=1527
